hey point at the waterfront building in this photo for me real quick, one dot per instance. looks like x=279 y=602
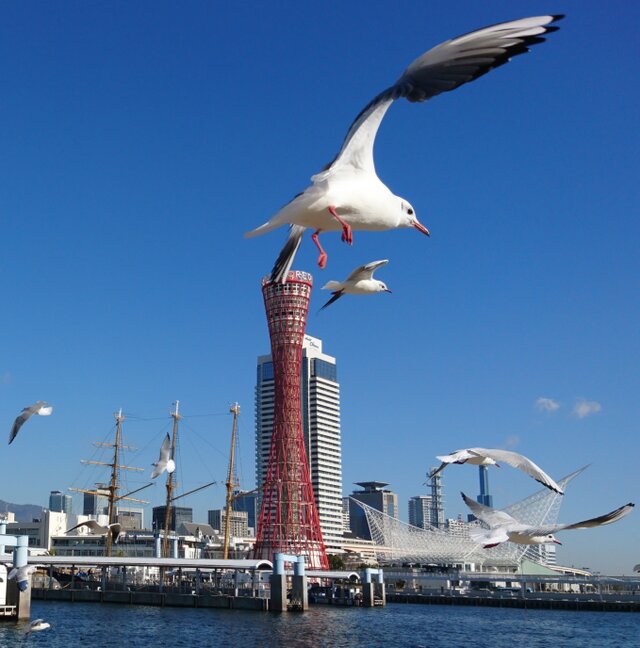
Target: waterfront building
x=239 y=526
x=94 y=504
x=60 y=503
x=420 y=509
x=41 y=530
x=178 y=515
x=452 y=544
x=249 y=504
x=131 y=519
x=374 y=495
x=320 y=412
x=346 y=524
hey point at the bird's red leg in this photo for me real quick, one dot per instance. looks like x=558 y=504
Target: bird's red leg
x=322 y=259
x=347 y=234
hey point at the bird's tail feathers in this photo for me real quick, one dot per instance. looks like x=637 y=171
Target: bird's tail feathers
x=478 y=534
x=285 y=259
x=332 y=285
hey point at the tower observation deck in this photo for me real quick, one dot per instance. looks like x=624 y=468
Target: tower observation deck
x=288 y=521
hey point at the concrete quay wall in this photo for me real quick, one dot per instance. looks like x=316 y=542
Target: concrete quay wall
x=159 y=599
x=517 y=602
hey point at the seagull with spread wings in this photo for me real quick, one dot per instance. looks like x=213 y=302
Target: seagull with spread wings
x=41 y=408
x=115 y=529
x=504 y=528
x=359 y=282
x=348 y=195
x=491 y=457
x=164 y=461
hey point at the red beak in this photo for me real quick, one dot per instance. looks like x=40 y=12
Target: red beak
x=558 y=542
x=421 y=228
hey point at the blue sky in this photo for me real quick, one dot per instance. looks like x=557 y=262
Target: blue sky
x=140 y=141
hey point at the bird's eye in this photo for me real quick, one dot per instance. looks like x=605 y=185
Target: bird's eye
x=410 y=211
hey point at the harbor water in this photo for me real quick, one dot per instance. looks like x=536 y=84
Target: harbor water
x=396 y=626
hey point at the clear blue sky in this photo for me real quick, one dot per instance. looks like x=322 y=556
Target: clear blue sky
x=141 y=140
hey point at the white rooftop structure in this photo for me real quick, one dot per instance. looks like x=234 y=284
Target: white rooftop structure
x=397 y=541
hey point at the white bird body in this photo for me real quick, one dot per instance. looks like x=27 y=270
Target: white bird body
x=115 y=529
x=41 y=408
x=359 y=282
x=360 y=197
x=347 y=194
x=505 y=528
x=164 y=461
x=37 y=626
x=491 y=457
x=22 y=575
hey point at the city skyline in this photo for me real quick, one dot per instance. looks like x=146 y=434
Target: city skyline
x=142 y=142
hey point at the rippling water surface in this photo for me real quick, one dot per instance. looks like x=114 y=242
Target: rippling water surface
x=396 y=626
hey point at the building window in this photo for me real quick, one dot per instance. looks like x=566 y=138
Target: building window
x=324 y=369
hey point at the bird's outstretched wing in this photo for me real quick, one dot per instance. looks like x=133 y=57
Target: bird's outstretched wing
x=365 y=271
x=607 y=518
x=490 y=516
x=163 y=459
x=458 y=456
x=522 y=463
x=443 y=68
x=336 y=295
x=92 y=525
x=39 y=407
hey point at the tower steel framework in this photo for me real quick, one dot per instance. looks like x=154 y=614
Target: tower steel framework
x=288 y=521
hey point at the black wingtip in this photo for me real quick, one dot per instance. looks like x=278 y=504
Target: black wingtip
x=336 y=295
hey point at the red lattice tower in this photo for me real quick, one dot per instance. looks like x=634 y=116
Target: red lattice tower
x=288 y=521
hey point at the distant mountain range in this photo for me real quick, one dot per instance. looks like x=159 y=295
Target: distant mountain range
x=23 y=512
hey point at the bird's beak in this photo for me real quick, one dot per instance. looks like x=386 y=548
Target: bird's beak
x=421 y=228
x=558 y=542
x=387 y=290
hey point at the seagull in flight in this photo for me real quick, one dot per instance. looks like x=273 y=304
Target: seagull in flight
x=22 y=575
x=115 y=529
x=37 y=626
x=40 y=407
x=347 y=194
x=491 y=457
x=164 y=462
x=504 y=528
x=359 y=282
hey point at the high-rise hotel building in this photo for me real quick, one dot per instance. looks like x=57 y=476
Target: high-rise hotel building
x=320 y=405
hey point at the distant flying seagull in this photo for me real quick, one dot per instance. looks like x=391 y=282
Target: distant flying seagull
x=637 y=568
x=348 y=195
x=114 y=529
x=359 y=282
x=491 y=457
x=164 y=462
x=37 y=626
x=41 y=408
x=504 y=528
x=22 y=575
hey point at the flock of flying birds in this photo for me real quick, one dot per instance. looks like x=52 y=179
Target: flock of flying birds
x=347 y=195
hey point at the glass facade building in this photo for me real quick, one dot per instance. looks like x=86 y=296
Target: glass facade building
x=320 y=405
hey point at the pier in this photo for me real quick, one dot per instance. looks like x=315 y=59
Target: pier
x=257 y=584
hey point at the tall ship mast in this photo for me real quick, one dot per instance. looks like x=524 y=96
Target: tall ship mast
x=111 y=491
x=170 y=484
